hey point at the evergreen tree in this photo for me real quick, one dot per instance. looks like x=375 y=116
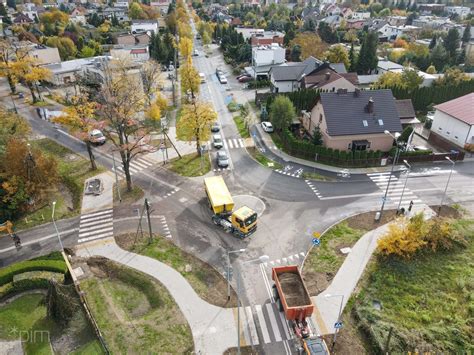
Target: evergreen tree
x=11 y=3
x=368 y=54
x=317 y=138
x=115 y=21
x=433 y=42
x=438 y=57
x=295 y=53
x=451 y=42
x=466 y=36
x=352 y=59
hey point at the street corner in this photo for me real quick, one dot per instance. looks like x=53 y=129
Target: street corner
x=253 y=202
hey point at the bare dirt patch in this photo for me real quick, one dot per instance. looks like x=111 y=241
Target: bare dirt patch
x=367 y=222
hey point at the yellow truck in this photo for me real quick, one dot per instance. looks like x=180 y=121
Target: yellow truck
x=242 y=222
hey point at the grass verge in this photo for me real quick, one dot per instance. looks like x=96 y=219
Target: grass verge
x=73 y=171
x=128 y=196
x=428 y=301
x=243 y=131
x=263 y=160
x=209 y=284
x=315 y=176
x=136 y=312
x=190 y=165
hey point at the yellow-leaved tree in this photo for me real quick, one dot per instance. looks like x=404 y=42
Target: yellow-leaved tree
x=310 y=44
x=190 y=81
x=28 y=69
x=195 y=122
x=185 y=47
x=80 y=118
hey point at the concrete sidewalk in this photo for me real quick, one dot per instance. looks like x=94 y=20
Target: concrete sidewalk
x=214 y=329
x=349 y=274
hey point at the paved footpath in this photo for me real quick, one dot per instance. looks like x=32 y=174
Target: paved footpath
x=349 y=274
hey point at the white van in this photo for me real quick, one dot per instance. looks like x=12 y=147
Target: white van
x=202 y=77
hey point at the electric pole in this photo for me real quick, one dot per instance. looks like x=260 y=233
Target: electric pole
x=147 y=206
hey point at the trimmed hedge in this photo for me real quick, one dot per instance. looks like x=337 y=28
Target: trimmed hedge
x=22 y=285
x=34 y=275
x=7 y=273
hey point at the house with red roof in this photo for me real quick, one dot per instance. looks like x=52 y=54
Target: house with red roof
x=453 y=122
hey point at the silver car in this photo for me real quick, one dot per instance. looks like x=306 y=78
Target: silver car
x=217 y=141
x=222 y=159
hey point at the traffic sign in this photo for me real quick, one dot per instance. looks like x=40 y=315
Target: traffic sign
x=316 y=234
x=316 y=241
x=338 y=325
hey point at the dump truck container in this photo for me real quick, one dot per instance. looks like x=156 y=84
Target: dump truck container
x=220 y=199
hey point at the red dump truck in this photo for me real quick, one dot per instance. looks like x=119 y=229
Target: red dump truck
x=292 y=298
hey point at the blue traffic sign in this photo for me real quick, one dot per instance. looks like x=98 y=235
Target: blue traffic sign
x=316 y=241
x=338 y=325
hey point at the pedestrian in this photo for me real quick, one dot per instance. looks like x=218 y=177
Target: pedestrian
x=410 y=207
x=402 y=211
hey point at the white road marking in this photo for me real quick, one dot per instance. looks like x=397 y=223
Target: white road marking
x=263 y=325
x=251 y=325
x=274 y=325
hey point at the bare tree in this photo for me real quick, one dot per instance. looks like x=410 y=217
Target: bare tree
x=150 y=75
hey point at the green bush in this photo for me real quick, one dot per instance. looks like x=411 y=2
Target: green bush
x=55 y=255
x=258 y=84
x=7 y=273
x=233 y=106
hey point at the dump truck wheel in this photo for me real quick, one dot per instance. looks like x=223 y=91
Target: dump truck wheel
x=276 y=296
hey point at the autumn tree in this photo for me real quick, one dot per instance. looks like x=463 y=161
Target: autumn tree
x=121 y=100
x=53 y=22
x=195 y=122
x=185 y=47
x=80 y=118
x=11 y=126
x=150 y=75
x=190 y=81
x=31 y=73
x=10 y=55
x=452 y=77
x=338 y=54
x=310 y=45
x=282 y=112
x=66 y=47
x=408 y=79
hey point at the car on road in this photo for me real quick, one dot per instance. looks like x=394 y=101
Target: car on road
x=196 y=53
x=21 y=95
x=222 y=159
x=215 y=127
x=245 y=79
x=96 y=137
x=267 y=127
x=202 y=77
x=222 y=79
x=217 y=141
x=219 y=72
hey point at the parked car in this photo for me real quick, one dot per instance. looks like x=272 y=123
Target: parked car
x=217 y=141
x=267 y=127
x=222 y=159
x=21 y=95
x=219 y=72
x=245 y=79
x=202 y=77
x=196 y=53
x=222 y=79
x=242 y=76
x=96 y=137
x=420 y=148
x=215 y=127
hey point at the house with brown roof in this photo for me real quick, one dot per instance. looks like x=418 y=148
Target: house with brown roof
x=406 y=112
x=453 y=123
x=327 y=78
x=22 y=19
x=351 y=121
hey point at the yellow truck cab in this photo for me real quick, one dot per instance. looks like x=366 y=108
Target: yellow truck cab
x=241 y=222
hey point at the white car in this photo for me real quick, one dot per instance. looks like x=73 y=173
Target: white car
x=97 y=137
x=222 y=79
x=267 y=127
x=202 y=77
x=217 y=141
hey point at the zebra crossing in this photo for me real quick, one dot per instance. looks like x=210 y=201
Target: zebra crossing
x=290 y=259
x=395 y=190
x=265 y=320
x=313 y=188
x=233 y=143
x=136 y=165
x=288 y=170
x=96 y=225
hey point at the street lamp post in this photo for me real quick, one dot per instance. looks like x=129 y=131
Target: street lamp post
x=261 y=259
x=447 y=183
x=338 y=317
x=56 y=227
x=396 y=136
x=405 y=185
x=228 y=268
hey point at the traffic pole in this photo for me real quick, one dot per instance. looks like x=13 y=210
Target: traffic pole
x=147 y=206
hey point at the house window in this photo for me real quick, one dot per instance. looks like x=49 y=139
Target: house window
x=349 y=146
x=448 y=133
x=365 y=123
x=380 y=122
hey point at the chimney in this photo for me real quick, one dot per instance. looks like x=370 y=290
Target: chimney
x=341 y=91
x=356 y=92
x=370 y=106
x=327 y=75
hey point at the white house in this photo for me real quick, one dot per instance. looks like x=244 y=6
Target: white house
x=264 y=57
x=361 y=15
x=121 y=4
x=454 y=121
x=461 y=11
x=138 y=53
x=393 y=32
x=148 y=26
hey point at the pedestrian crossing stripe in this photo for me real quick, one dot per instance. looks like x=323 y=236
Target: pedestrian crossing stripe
x=136 y=165
x=233 y=143
x=96 y=225
x=395 y=190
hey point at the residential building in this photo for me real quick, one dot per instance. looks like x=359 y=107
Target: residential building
x=407 y=114
x=138 y=53
x=333 y=20
x=355 y=24
x=45 y=55
x=247 y=33
x=121 y=4
x=121 y=13
x=65 y=73
x=161 y=5
x=264 y=57
x=78 y=15
x=346 y=13
x=145 y=26
x=329 y=80
x=355 y=121
x=361 y=15
x=21 y=19
x=454 y=122
x=385 y=65
x=393 y=32
x=396 y=20
x=133 y=39
x=461 y=11
x=267 y=38
x=285 y=78
x=426 y=9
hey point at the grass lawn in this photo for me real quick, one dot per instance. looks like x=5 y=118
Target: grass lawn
x=73 y=171
x=243 y=131
x=428 y=300
x=316 y=176
x=190 y=165
x=277 y=141
x=262 y=159
x=209 y=284
x=41 y=104
x=180 y=132
x=128 y=197
x=136 y=313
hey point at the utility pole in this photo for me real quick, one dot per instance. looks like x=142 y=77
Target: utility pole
x=116 y=178
x=147 y=206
